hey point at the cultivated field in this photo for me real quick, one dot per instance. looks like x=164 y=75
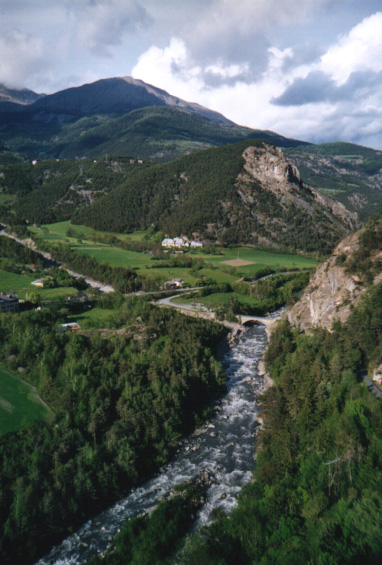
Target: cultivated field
x=21 y=285
x=20 y=404
x=227 y=266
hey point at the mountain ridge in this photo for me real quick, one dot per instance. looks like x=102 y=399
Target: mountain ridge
x=215 y=195
x=21 y=97
x=89 y=120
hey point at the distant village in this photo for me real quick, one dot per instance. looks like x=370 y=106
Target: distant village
x=178 y=242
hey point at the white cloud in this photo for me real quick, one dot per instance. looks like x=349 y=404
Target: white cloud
x=169 y=68
x=359 y=50
x=172 y=69
x=20 y=57
x=339 y=75
x=106 y=23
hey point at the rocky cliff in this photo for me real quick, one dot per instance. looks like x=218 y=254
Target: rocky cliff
x=268 y=166
x=266 y=171
x=331 y=292
x=339 y=282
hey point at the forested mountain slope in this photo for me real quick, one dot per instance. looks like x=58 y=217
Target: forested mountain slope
x=51 y=190
x=350 y=173
x=244 y=193
x=120 y=116
x=120 y=402
x=317 y=493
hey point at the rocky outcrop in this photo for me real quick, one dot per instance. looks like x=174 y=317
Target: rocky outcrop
x=268 y=166
x=331 y=293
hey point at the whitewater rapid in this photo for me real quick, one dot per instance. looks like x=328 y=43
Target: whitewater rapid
x=225 y=446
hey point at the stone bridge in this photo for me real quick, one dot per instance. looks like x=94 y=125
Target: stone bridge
x=253 y=320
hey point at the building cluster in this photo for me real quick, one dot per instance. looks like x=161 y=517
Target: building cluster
x=174 y=283
x=9 y=302
x=44 y=282
x=178 y=242
x=70 y=327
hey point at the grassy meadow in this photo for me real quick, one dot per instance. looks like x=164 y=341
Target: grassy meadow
x=20 y=405
x=21 y=285
x=247 y=261
x=94 y=317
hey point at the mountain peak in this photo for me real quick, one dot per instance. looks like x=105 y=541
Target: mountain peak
x=117 y=95
x=22 y=96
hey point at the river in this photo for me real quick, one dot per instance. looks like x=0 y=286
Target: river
x=224 y=446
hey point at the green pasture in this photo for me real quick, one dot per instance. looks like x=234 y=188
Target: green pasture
x=215 y=267
x=216 y=299
x=7 y=198
x=116 y=256
x=20 y=404
x=259 y=259
x=21 y=285
x=57 y=232
x=92 y=317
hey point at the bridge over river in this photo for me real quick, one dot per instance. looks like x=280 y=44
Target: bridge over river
x=200 y=311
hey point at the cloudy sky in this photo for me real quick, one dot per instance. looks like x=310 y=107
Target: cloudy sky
x=308 y=69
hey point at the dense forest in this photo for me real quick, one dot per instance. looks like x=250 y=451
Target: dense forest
x=120 y=403
x=199 y=194
x=317 y=490
x=300 y=509
x=51 y=190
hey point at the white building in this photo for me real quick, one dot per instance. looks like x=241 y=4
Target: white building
x=168 y=242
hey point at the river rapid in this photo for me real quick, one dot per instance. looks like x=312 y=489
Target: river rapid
x=225 y=447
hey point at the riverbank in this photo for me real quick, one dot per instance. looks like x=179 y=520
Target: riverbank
x=224 y=446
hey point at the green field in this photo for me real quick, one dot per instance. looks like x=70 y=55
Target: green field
x=20 y=404
x=217 y=299
x=92 y=318
x=7 y=198
x=57 y=232
x=259 y=259
x=21 y=285
x=215 y=267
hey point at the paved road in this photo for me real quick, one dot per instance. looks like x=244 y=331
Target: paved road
x=30 y=243
x=202 y=311
x=372 y=387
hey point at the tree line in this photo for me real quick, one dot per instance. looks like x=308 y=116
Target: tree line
x=120 y=404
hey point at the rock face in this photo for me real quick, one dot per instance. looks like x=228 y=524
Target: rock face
x=268 y=166
x=331 y=292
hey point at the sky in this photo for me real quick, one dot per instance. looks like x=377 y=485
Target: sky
x=307 y=69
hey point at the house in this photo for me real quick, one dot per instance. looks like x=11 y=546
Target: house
x=175 y=242
x=196 y=244
x=178 y=242
x=70 y=326
x=38 y=282
x=174 y=283
x=9 y=302
x=168 y=242
x=41 y=283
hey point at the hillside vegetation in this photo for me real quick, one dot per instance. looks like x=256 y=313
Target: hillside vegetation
x=122 y=399
x=297 y=511
x=350 y=173
x=52 y=190
x=117 y=115
x=213 y=195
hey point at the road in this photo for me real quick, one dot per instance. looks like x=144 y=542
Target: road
x=201 y=311
x=30 y=243
x=372 y=387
